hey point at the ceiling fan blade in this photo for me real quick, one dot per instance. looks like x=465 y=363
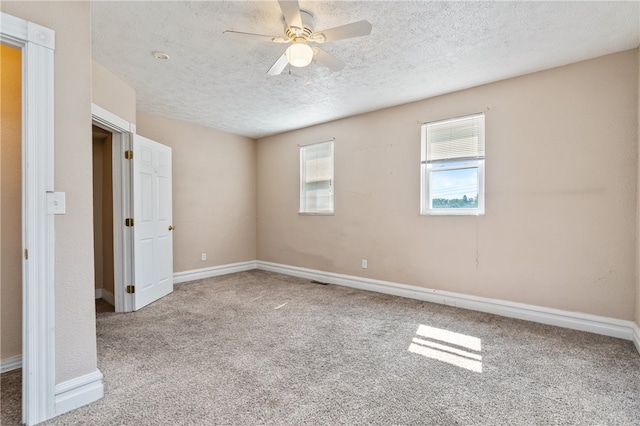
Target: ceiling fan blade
x=279 y=66
x=328 y=60
x=354 y=29
x=291 y=12
x=256 y=37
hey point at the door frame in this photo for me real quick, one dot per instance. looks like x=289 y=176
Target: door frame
x=37 y=44
x=123 y=132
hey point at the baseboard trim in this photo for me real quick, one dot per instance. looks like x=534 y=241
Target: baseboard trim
x=101 y=293
x=78 y=392
x=108 y=297
x=636 y=336
x=573 y=320
x=606 y=326
x=10 y=364
x=214 y=271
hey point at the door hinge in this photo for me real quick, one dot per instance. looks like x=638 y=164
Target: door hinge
x=26 y=254
x=128 y=222
x=131 y=289
x=128 y=154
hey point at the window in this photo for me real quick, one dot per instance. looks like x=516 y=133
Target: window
x=452 y=166
x=316 y=178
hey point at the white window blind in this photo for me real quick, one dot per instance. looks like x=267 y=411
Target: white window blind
x=456 y=139
x=318 y=169
x=316 y=178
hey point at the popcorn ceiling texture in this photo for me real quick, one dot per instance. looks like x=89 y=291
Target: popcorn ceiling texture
x=416 y=50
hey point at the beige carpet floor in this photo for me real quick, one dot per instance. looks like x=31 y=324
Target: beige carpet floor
x=102 y=306
x=11 y=397
x=262 y=348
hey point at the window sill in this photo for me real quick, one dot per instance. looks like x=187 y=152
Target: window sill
x=452 y=212
x=316 y=214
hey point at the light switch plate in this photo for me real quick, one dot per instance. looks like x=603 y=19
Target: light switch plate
x=56 y=203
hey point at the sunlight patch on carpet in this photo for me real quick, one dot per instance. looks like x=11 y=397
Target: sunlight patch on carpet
x=446 y=346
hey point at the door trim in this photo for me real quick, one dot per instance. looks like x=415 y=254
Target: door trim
x=122 y=132
x=38 y=294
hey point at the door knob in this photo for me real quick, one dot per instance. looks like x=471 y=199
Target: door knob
x=171 y=227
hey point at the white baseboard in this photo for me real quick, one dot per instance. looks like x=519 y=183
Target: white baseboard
x=574 y=320
x=636 y=335
x=78 y=392
x=214 y=271
x=105 y=294
x=12 y=363
x=108 y=297
x=606 y=326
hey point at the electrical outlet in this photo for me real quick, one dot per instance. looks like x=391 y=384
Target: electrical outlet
x=203 y=256
x=364 y=264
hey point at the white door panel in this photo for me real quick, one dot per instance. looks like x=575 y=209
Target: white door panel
x=153 y=239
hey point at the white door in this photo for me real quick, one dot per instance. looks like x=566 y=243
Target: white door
x=152 y=221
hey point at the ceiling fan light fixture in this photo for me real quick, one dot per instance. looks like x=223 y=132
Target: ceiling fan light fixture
x=299 y=54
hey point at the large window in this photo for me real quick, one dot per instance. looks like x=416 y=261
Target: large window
x=316 y=178
x=452 y=166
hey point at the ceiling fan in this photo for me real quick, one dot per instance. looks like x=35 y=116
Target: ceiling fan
x=301 y=37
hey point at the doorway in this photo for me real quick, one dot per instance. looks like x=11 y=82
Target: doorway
x=37 y=45
x=11 y=233
x=112 y=204
x=102 y=150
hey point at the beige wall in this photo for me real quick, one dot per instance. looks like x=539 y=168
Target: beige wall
x=75 y=333
x=214 y=192
x=112 y=94
x=10 y=204
x=214 y=188
x=561 y=168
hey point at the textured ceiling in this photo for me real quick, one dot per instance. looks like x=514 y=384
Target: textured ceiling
x=417 y=49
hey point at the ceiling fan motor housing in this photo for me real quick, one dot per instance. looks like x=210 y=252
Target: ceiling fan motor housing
x=300 y=35
x=305 y=32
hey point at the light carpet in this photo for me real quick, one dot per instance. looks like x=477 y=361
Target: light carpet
x=263 y=348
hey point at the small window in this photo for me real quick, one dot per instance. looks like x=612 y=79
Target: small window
x=452 y=166
x=316 y=178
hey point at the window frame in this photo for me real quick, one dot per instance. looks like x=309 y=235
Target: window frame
x=456 y=163
x=303 y=208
